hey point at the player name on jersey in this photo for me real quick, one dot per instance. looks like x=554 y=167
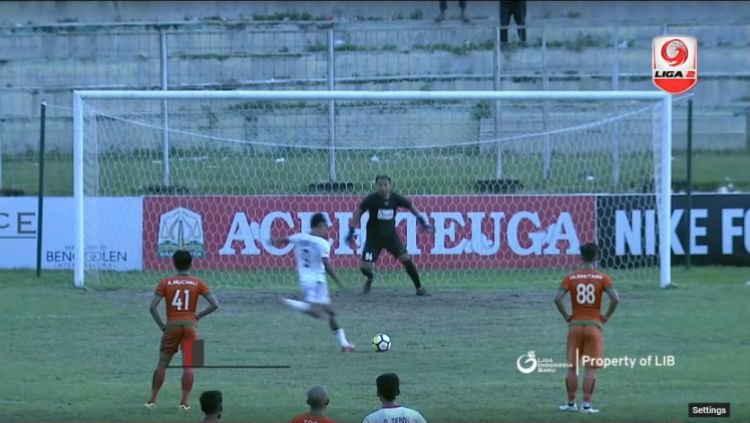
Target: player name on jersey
x=577 y=276
x=180 y=282
x=397 y=414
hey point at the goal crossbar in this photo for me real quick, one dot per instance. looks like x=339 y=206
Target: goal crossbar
x=665 y=146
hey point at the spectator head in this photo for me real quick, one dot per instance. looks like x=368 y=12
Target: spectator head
x=317 y=398
x=388 y=388
x=211 y=403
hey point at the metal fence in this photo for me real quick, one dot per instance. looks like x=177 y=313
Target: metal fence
x=49 y=63
x=201 y=58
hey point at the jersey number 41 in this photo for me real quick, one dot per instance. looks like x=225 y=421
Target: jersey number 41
x=180 y=304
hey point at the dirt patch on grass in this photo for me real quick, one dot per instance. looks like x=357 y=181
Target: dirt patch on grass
x=379 y=299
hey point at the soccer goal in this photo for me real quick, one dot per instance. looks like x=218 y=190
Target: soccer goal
x=513 y=182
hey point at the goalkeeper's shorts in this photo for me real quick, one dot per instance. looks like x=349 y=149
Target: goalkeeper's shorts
x=375 y=244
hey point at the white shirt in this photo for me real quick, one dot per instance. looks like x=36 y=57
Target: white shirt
x=310 y=250
x=395 y=415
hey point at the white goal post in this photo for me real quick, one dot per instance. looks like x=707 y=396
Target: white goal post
x=663 y=131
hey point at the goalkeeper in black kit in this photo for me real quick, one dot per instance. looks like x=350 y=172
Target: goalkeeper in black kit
x=381 y=231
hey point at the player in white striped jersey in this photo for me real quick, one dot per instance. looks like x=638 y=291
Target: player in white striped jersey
x=312 y=253
x=392 y=412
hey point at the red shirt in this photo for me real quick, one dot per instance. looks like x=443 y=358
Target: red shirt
x=586 y=288
x=181 y=294
x=311 y=418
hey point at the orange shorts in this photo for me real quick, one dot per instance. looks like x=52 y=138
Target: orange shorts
x=173 y=338
x=588 y=340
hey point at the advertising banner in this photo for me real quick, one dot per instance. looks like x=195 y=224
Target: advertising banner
x=472 y=231
x=226 y=232
x=114 y=226
x=719 y=229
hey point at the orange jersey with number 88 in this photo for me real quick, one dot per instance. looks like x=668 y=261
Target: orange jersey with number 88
x=586 y=288
x=181 y=294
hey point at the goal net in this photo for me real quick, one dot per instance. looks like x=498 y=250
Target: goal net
x=513 y=182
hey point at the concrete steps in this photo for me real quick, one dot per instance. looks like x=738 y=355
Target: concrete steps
x=369 y=56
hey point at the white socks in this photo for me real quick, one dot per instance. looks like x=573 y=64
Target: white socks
x=297 y=305
x=303 y=307
x=342 y=337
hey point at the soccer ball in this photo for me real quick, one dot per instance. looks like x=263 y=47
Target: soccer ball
x=381 y=342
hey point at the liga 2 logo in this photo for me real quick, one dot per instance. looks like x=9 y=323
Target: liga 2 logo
x=675 y=63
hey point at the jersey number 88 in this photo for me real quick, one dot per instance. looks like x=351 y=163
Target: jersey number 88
x=585 y=293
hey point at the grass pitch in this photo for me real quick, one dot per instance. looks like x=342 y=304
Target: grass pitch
x=87 y=355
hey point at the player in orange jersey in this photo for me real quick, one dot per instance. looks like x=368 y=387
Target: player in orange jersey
x=317 y=399
x=585 y=337
x=181 y=293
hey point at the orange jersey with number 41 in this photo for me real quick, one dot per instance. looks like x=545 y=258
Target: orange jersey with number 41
x=586 y=288
x=181 y=294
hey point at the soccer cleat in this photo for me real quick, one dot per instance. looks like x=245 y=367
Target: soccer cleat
x=589 y=410
x=422 y=292
x=183 y=407
x=568 y=407
x=150 y=405
x=367 y=286
x=348 y=348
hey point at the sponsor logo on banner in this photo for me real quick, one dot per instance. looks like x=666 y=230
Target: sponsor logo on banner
x=114 y=238
x=675 y=63
x=18 y=222
x=470 y=231
x=719 y=229
x=181 y=229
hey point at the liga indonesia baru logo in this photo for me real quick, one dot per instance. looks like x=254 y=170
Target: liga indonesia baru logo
x=529 y=363
x=675 y=63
